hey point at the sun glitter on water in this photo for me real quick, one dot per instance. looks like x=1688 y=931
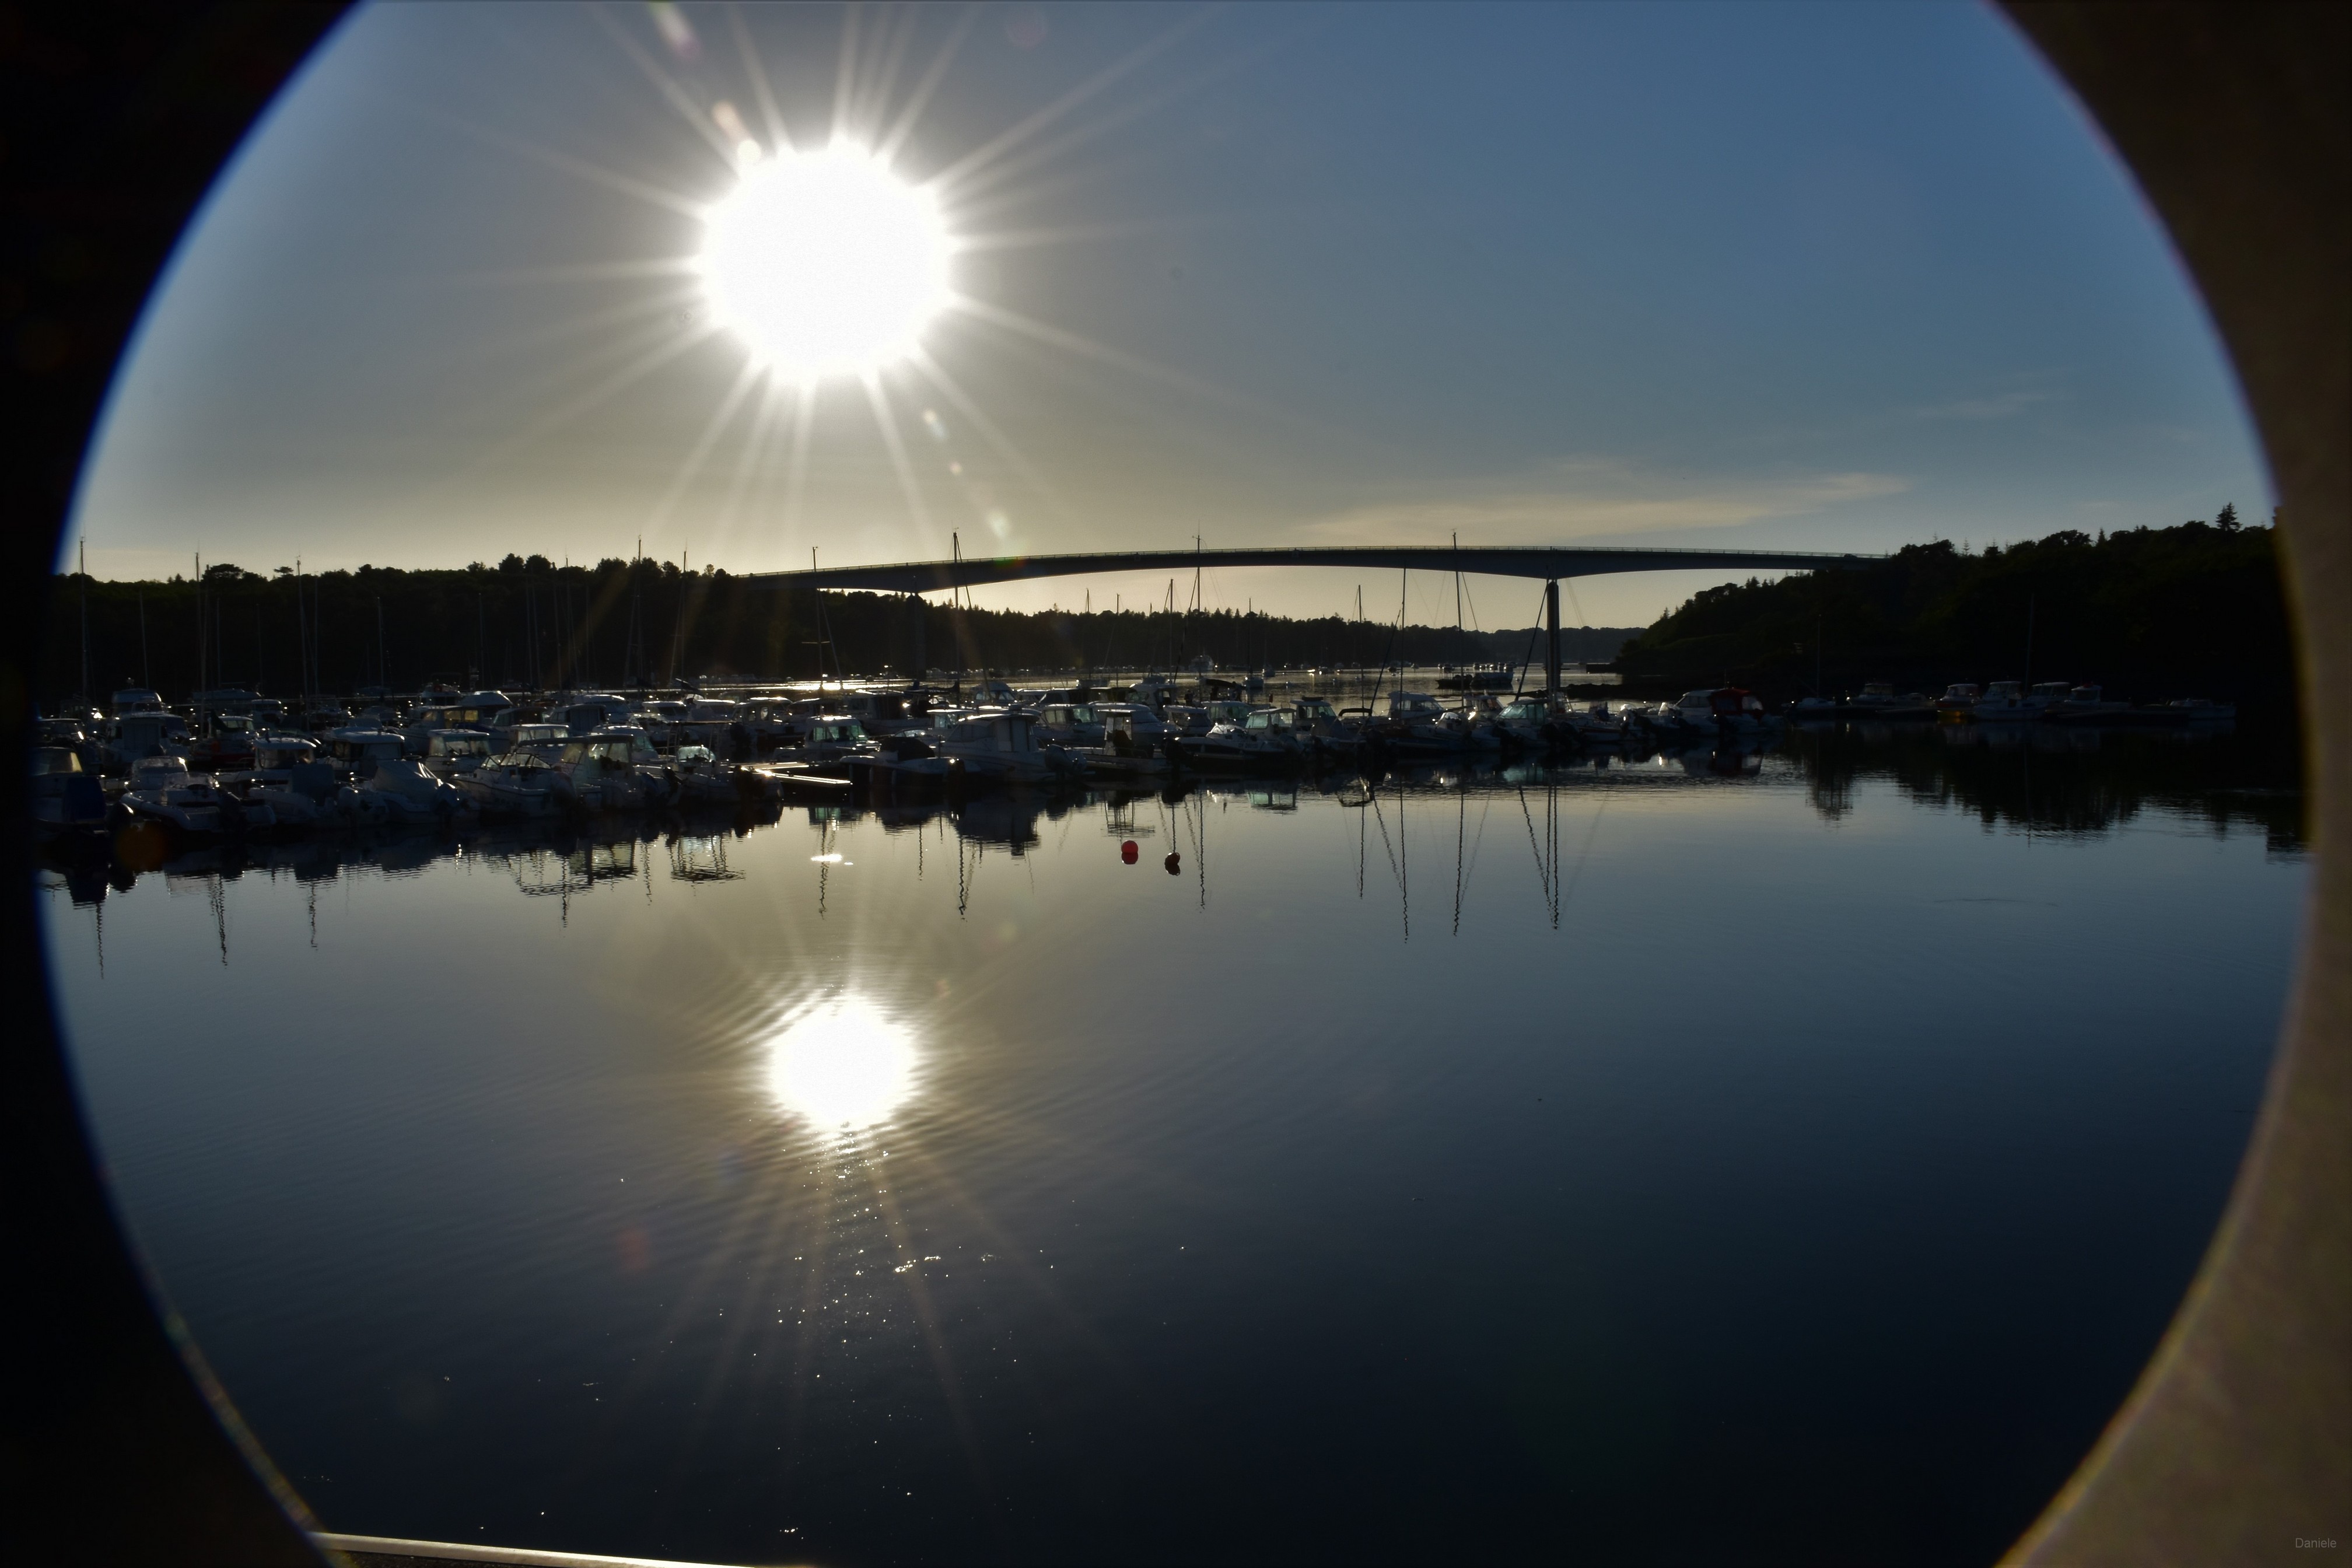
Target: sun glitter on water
x=842 y=1065
x=826 y=263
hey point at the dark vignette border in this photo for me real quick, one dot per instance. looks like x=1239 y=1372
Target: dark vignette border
x=2233 y=117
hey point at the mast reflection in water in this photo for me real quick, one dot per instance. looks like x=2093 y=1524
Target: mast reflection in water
x=1736 y=1135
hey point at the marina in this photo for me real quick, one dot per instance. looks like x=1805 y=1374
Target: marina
x=235 y=764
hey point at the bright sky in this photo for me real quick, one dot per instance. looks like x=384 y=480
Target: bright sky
x=1743 y=275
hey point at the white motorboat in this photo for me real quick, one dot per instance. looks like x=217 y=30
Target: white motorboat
x=882 y=712
x=144 y=733
x=2084 y=705
x=1322 y=730
x=1069 y=724
x=661 y=719
x=779 y=723
x=1531 y=724
x=2198 y=711
x=516 y=784
x=478 y=711
x=1418 y=724
x=162 y=790
x=714 y=723
x=137 y=700
x=1878 y=700
x=1132 y=729
x=834 y=738
x=582 y=712
x=1958 y=701
x=543 y=740
x=1595 y=725
x=414 y=795
x=1718 y=711
x=1265 y=738
x=2008 y=702
x=703 y=779
x=307 y=795
x=998 y=744
x=452 y=753
x=357 y=753
x=616 y=769
x=992 y=693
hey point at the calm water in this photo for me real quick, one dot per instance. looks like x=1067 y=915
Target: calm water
x=1701 y=1159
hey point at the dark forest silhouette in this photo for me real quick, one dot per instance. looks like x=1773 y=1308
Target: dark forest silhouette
x=528 y=623
x=2148 y=613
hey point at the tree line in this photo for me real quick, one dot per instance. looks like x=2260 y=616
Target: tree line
x=528 y=624
x=2150 y=613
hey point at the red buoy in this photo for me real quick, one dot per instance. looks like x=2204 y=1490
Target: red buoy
x=1174 y=863
x=1127 y=851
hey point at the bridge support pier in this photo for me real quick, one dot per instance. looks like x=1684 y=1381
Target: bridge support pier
x=1552 y=629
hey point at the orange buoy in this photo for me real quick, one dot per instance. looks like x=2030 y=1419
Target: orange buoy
x=1128 y=852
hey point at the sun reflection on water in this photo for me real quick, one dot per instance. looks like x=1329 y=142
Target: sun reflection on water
x=841 y=1064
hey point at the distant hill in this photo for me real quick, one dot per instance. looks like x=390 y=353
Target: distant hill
x=2150 y=613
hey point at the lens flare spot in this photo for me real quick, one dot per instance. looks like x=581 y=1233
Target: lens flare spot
x=842 y=1065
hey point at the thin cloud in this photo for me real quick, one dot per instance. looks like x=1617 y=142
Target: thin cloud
x=2006 y=405
x=1593 y=497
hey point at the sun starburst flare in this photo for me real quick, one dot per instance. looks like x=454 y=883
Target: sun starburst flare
x=826 y=263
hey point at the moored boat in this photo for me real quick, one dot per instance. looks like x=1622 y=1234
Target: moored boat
x=66 y=796
x=1958 y=701
x=2084 y=705
x=516 y=784
x=162 y=790
x=413 y=795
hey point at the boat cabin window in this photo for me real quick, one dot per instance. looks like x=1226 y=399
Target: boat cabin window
x=55 y=760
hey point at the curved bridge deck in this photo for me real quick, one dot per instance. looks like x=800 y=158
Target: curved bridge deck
x=1542 y=562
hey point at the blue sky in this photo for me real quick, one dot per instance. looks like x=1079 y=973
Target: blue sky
x=1752 y=275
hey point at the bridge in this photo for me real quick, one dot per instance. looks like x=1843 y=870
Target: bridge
x=1546 y=563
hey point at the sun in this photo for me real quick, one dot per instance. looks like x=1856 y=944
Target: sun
x=824 y=263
